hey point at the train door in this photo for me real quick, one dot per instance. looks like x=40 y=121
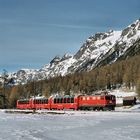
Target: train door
x=77 y=101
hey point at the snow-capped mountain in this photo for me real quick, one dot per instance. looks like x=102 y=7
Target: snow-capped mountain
x=98 y=50
x=108 y=46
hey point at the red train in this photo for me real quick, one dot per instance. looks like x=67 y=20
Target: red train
x=80 y=102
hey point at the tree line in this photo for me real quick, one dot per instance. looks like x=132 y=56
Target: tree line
x=125 y=73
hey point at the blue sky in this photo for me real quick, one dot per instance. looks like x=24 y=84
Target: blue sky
x=33 y=32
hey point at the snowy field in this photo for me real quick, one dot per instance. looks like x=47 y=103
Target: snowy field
x=77 y=125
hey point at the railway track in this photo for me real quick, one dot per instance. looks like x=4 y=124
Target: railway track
x=61 y=112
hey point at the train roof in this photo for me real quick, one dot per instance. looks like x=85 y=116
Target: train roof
x=65 y=96
x=23 y=99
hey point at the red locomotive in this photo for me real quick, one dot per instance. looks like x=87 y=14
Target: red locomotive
x=80 y=102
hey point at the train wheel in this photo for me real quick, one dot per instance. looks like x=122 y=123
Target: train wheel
x=94 y=108
x=105 y=108
x=101 y=108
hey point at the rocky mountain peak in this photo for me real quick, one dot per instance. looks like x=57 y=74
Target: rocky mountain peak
x=56 y=59
x=66 y=56
x=135 y=25
x=131 y=30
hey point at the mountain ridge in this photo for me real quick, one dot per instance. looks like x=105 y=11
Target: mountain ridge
x=98 y=50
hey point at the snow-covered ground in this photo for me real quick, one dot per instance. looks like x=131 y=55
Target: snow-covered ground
x=74 y=125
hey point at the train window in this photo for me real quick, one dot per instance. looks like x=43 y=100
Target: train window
x=84 y=98
x=65 y=100
x=107 y=97
x=98 y=98
x=42 y=101
x=87 y=98
x=94 y=98
x=61 y=100
x=46 y=101
x=72 y=99
x=54 y=100
x=113 y=97
x=23 y=102
x=36 y=101
x=68 y=100
x=58 y=100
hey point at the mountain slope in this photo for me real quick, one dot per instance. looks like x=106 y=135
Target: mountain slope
x=108 y=47
x=98 y=50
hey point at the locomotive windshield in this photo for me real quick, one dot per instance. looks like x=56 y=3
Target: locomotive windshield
x=108 y=97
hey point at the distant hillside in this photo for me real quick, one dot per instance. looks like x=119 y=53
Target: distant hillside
x=124 y=74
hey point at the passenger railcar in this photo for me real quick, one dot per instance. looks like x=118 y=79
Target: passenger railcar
x=64 y=102
x=24 y=104
x=41 y=103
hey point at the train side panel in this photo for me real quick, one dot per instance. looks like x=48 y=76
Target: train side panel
x=96 y=102
x=24 y=104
